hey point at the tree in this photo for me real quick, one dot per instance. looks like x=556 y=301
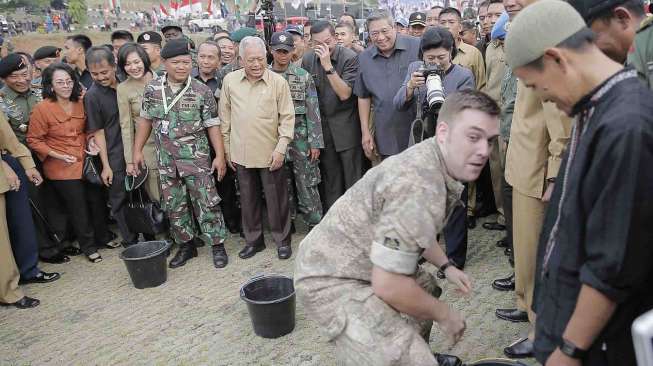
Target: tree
x=77 y=10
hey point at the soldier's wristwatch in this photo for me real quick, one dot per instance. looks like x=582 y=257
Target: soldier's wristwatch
x=571 y=350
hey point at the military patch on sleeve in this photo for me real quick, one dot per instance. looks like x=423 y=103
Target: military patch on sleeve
x=391 y=243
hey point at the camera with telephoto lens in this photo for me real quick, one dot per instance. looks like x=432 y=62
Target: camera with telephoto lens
x=434 y=88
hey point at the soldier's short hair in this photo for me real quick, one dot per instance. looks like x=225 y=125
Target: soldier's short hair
x=467 y=99
x=82 y=41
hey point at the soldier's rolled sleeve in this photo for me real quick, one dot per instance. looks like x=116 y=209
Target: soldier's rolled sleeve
x=209 y=110
x=314 y=121
x=286 y=110
x=406 y=227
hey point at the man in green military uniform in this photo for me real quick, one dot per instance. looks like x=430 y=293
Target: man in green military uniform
x=183 y=114
x=151 y=42
x=304 y=150
x=622 y=32
x=172 y=31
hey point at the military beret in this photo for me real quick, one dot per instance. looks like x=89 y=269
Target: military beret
x=150 y=37
x=591 y=9
x=168 y=26
x=175 y=47
x=47 y=52
x=13 y=62
x=241 y=33
x=538 y=27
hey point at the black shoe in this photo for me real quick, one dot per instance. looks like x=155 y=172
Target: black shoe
x=220 y=258
x=503 y=243
x=198 y=242
x=184 y=254
x=505 y=284
x=57 y=259
x=512 y=315
x=250 y=250
x=447 y=360
x=508 y=252
x=471 y=222
x=71 y=251
x=284 y=252
x=24 y=303
x=292 y=228
x=41 y=277
x=522 y=348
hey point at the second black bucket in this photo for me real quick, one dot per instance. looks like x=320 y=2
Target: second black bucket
x=146 y=263
x=271 y=304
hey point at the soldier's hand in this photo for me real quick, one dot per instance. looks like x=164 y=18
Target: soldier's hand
x=459 y=279
x=11 y=176
x=220 y=165
x=34 y=176
x=453 y=325
x=315 y=154
x=138 y=161
x=107 y=176
x=276 y=161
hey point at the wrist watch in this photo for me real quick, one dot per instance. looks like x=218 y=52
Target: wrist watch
x=445 y=266
x=331 y=71
x=572 y=350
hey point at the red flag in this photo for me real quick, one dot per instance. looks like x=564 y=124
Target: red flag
x=163 y=10
x=209 y=7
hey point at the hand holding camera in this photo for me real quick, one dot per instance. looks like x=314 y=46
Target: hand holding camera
x=417 y=79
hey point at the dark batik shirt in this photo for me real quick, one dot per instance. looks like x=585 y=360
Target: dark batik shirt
x=598 y=228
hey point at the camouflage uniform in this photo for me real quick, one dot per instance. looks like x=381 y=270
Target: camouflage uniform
x=308 y=135
x=641 y=55
x=387 y=219
x=183 y=154
x=224 y=70
x=17 y=108
x=507 y=103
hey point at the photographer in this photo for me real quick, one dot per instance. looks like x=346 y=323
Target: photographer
x=436 y=51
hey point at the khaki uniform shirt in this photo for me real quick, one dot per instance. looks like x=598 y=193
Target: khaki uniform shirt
x=641 y=54
x=130 y=99
x=471 y=58
x=10 y=144
x=387 y=219
x=496 y=69
x=538 y=137
x=257 y=118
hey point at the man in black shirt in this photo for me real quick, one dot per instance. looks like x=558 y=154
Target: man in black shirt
x=74 y=50
x=593 y=274
x=102 y=121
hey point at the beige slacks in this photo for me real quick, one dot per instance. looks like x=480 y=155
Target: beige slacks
x=528 y=216
x=9 y=275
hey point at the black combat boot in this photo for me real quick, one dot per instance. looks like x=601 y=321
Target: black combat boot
x=186 y=252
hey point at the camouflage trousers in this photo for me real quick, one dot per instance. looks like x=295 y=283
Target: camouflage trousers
x=303 y=179
x=373 y=333
x=200 y=190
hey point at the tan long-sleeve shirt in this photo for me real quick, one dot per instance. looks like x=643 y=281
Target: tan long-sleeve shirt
x=538 y=137
x=130 y=98
x=471 y=58
x=257 y=118
x=495 y=67
x=9 y=143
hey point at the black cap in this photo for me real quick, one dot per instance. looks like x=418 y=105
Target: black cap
x=590 y=9
x=170 y=26
x=282 y=41
x=417 y=18
x=175 y=47
x=150 y=37
x=13 y=62
x=47 y=52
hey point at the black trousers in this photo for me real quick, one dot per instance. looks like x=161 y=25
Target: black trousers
x=339 y=170
x=506 y=190
x=117 y=201
x=455 y=232
x=275 y=187
x=80 y=210
x=229 y=203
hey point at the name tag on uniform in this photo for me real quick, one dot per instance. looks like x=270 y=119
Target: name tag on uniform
x=164 y=127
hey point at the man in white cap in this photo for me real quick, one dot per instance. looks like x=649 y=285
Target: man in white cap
x=593 y=275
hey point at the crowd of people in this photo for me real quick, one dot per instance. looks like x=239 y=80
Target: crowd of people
x=216 y=131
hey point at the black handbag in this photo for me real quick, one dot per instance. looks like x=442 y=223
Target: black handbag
x=90 y=171
x=142 y=214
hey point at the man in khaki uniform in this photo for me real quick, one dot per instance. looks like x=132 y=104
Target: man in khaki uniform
x=538 y=138
x=468 y=55
x=357 y=271
x=10 y=294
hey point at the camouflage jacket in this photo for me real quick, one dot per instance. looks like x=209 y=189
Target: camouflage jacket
x=224 y=70
x=641 y=54
x=507 y=102
x=308 y=125
x=180 y=135
x=17 y=108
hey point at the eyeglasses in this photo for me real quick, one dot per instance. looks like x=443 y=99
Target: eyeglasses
x=61 y=83
x=384 y=31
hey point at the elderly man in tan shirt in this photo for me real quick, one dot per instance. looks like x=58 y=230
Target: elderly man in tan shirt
x=258 y=121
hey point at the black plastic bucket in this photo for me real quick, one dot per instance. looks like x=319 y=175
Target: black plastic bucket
x=271 y=304
x=496 y=362
x=146 y=263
